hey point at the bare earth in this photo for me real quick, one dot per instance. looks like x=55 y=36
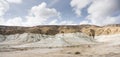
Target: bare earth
x=93 y=50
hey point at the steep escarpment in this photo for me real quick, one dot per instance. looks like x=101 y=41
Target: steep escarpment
x=57 y=36
x=90 y=30
x=47 y=29
x=101 y=30
x=8 y=30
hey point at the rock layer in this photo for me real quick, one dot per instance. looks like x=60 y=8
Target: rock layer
x=91 y=30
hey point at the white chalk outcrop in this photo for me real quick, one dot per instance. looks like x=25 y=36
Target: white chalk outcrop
x=110 y=39
x=58 y=36
x=41 y=40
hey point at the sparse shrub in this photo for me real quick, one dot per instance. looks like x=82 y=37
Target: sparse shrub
x=32 y=37
x=77 y=52
x=50 y=47
x=89 y=46
x=38 y=39
x=68 y=52
x=52 y=32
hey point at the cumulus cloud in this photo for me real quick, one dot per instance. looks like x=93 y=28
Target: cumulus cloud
x=1 y=21
x=14 y=1
x=4 y=6
x=42 y=11
x=100 y=12
x=78 y=5
x=17 y=21
x=84 y=22
x=53 y=22
x=40 y=14
x=64 y=22
x=67 y=23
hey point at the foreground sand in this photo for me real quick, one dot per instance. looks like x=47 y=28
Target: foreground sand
x=84 y=50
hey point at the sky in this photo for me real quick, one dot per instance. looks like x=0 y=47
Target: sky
x=59 y=12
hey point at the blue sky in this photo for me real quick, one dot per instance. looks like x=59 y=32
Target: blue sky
x=59 y=12
x=63 y=7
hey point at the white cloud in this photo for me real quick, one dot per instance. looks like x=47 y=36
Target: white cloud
x=67 y=23
x=14 y=1
x=17 y=21
x=63 y=22
x=84 y=22
x=40 y=14
x=1 y=21
x=44 y=12
x=53 y=22
x=4 y=6
x=78 y=5
x=100 y=12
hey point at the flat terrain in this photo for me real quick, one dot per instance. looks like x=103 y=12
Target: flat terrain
x=84 y=50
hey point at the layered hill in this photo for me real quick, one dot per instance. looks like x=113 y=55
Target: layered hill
x=57 y=36
x=56 y=29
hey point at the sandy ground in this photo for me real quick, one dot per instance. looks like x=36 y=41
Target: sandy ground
x=84 y=50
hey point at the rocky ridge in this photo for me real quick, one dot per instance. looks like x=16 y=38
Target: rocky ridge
x=90 y=30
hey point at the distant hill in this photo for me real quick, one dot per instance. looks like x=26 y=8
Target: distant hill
x=56 y=29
